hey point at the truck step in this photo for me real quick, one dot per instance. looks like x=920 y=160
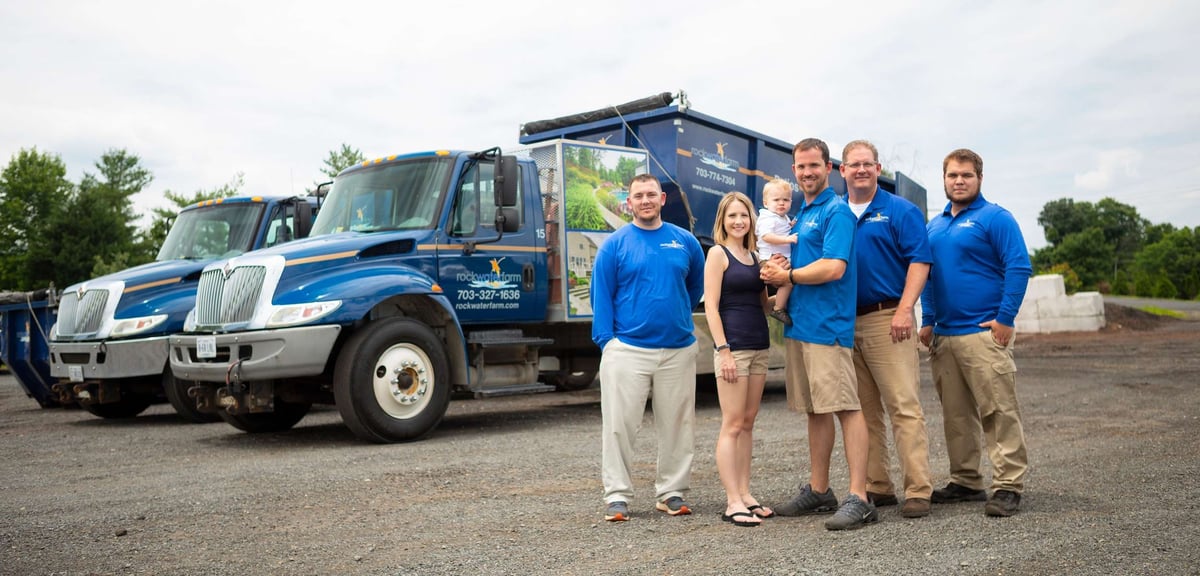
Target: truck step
x=489 y=338
x=536 y=388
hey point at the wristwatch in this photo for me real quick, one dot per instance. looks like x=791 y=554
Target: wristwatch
x=724 y=346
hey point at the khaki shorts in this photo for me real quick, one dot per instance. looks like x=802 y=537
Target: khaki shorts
x=748 y=362
x=820 y=378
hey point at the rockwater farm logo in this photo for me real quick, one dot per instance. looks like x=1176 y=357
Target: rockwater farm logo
x=495 y=280
x=878 y=217
x=718 y=160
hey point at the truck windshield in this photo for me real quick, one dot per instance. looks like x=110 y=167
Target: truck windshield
x=398 y=196
x=216 y=231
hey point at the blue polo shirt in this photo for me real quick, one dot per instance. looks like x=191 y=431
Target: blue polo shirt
x=890 y=236
x=824 y=313
x=980 y=269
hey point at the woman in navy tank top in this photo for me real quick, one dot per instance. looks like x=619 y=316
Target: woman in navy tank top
x=736 y=305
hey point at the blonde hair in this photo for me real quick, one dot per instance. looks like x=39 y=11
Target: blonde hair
x=719 y=235
x=779 y=183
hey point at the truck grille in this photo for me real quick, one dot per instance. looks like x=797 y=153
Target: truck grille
x=81 y=315
x=226 y=300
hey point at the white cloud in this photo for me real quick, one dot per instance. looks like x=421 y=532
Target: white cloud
x=1112 y=165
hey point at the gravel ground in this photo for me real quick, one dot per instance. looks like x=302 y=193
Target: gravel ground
x=511 y=486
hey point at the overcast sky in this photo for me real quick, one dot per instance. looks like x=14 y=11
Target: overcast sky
x=1080 y=99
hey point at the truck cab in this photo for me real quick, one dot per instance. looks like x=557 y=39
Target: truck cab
x=425 y=275
x=108 y=348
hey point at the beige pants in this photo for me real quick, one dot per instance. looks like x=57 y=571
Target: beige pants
x=976 y=382
x=888 y=382
x=627 y=375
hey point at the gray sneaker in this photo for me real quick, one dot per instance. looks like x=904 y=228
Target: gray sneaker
x=809 y=502
x=854 y=513
x=616 y=512
x=675 y=506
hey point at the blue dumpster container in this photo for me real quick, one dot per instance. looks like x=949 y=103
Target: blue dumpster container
x=23 y=329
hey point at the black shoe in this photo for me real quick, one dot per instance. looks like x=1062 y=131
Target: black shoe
x=957 y=493
x=1003 y=503
x=881 y=499
x=809 y=502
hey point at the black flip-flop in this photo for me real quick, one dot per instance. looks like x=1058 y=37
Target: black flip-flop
x=755 y=508
x=734 y=519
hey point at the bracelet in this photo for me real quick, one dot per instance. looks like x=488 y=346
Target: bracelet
x=791 y=277
x=724 y=346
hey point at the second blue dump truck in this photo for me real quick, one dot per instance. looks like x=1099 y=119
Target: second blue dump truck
x=443 y=272
x=108 y=348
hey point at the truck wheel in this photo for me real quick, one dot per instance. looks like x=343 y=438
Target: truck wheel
x=185 y=406
x=391 y=382
x=128 y=406
x=283 y=417
x=569 y=381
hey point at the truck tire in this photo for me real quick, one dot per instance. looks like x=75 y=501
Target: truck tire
x=283 y=417
x=570 y=381
x=128 y=406
x=185 y=406
x=391 y=382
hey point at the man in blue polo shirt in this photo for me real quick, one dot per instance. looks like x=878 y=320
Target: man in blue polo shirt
x=893 y=257
x=820 y=371
x=980 y=270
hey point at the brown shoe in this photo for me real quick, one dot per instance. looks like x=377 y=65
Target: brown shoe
x=879 y=499
x=915 y=508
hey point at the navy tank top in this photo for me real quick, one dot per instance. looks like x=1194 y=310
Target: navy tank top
x=741 y=308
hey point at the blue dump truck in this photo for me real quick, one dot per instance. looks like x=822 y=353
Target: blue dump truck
x=444 y=272
x=103 y=343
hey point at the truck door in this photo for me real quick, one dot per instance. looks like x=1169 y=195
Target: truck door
x=492 y=282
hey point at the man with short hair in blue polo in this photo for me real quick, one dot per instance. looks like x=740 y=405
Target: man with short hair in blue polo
x=893 y=262
x=647 y=279
x=970 y=304
x=820 y=371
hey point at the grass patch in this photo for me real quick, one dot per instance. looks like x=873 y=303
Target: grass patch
x=1163 y=312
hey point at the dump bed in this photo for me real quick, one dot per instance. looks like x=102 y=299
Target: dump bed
x=24 y=320
x=702 y=156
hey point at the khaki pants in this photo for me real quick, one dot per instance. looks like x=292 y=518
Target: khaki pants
x=976 y=382
x=627 y=375
x=888 y=381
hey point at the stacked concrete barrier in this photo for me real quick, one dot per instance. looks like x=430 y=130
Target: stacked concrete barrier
x=1047 y=308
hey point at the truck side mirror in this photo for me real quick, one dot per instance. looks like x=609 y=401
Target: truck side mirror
x=506 y=181
x=508 y=218
x=304 y=218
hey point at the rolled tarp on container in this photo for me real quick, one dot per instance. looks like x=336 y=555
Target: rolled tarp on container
x=641 y=105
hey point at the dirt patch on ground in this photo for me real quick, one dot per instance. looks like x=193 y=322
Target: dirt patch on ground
x=1118 y=317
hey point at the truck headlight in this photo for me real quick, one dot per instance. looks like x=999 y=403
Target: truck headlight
x=131 y=326
x=301 y=313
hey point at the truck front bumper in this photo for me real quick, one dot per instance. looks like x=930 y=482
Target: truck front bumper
x=258 y=355
x=111 y=359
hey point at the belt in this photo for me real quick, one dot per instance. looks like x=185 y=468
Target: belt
x=885 y=305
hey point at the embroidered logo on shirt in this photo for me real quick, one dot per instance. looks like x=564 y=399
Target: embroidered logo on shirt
x=672 y=244
x=968 y=223
x=811 y=223
x=878 y=217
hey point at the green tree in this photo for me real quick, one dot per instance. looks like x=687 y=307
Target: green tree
x=1086 y=253
x=33 y=188
x=1173 y=260
x=95 y=230
x=339 y=160
x=1062 y=217
x=1121 y=233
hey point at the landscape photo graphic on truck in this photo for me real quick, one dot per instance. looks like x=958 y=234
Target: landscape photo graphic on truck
x=596 y=182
